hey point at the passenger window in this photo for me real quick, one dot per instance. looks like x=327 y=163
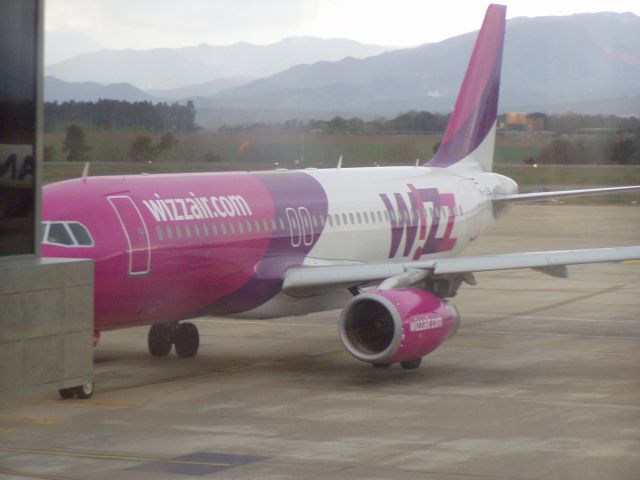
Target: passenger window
x=205 y=228
x=366 y=217
x=281 y=223
x=59 y=235
x=337 y=220
x=240 y=228
x=386 y=216
x=257 y=225
x=188 y=230
x=265 y=224
x=330 y=220
x=196 y=228
x=223 y=228
x=351 y=218
x=159 y=232
x=344 y=218
x=358 y=217
x=379 y=216
x=169 y=232
x=81 y=234
x=178 y=231
x=232 y=229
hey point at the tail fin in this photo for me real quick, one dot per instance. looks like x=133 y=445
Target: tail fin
x=470 y=137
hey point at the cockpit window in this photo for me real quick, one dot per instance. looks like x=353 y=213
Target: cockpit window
x=59 y=235
x=81 y=234
x=68 y=234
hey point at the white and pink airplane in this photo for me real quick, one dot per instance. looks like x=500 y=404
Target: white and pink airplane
x=169 y=248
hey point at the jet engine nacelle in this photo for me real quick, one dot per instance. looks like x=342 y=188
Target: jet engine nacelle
x=399 y=325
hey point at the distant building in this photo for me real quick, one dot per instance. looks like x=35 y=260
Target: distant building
x=530 y=122
x=536 y=122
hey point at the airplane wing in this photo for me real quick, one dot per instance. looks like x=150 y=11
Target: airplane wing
x=531 y=197
x=307 y=279
x=304 y=280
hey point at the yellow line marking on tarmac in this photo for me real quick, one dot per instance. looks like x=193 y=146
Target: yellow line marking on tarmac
x=44 y=476
x=109 y=404
x=107 y=456
x=31 y=421
x=632 y=262
x=95 y=403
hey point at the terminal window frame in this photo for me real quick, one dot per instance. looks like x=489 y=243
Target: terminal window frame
x=73 y=231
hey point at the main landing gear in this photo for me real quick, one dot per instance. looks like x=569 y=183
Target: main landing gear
x=185 y=337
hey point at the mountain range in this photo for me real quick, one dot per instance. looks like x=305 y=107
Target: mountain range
x=169 y=68
x=550 y=64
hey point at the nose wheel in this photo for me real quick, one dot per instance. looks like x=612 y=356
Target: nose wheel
x=162 y=336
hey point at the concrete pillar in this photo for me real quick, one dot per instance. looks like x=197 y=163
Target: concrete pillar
x=46 y=327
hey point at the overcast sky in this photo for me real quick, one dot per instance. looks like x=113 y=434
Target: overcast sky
x=144 y=24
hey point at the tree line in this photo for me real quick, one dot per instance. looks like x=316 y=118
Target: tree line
x=574 y=123
x=620 y=148
x=118 y=115
x=409 y=122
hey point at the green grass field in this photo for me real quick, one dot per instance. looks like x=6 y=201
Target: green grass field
x=265 y=151
x=109 y=156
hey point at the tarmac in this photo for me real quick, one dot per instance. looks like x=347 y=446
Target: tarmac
x=541 y=382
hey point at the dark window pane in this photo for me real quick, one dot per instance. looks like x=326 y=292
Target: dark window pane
x=81 y=234
x=58 y=234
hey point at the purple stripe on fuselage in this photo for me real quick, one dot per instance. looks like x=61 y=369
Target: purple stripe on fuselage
x=294 y=194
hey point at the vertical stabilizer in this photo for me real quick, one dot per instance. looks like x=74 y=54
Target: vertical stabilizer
x=470 y=136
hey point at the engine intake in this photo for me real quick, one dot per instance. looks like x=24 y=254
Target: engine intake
x=398 y=325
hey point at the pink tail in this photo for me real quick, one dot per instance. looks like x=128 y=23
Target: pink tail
x=474 y=116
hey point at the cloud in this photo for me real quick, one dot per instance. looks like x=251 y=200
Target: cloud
x=173 y=23
x=166 y=22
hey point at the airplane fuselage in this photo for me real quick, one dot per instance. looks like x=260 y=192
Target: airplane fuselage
x=170 y=247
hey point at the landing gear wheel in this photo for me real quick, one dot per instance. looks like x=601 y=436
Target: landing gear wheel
x=411 y=364
x=160 y=339
x=187 y=340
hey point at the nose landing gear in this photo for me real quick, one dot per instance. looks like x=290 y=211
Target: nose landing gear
x=162 y=336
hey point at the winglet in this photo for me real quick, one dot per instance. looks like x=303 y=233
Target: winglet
x=470 y=135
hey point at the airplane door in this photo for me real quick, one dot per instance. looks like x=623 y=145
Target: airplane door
x=136 y=232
